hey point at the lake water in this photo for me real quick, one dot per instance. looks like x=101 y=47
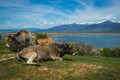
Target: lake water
x=98 y=41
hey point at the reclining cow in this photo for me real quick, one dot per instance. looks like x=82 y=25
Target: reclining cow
x=20 y=40
x=47 y=52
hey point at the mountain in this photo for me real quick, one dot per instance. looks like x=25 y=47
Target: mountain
x=106 y=26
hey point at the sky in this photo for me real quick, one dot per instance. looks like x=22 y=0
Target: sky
x=45 y=14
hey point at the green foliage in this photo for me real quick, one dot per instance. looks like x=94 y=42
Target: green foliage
x=115 y=52
x=83 y=49
x=106 y=52
x=41 y=35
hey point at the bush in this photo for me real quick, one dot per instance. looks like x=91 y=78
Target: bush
x=106 y=52
x=83 y=49
x=115 y=52
x=41 y=35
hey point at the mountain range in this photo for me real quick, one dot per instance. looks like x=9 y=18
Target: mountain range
x=107 y=26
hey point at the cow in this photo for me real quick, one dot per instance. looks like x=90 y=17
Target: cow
x=21 y=40
x=45 y=41
x=47 y=52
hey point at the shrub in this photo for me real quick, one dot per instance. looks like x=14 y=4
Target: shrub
x=41 y=35
x=83 y=49
x=105 y=52
x=115 y=52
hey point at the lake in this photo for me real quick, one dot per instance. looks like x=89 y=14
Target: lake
x=98 y=40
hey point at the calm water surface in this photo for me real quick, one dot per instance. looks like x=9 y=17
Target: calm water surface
x=98 y=41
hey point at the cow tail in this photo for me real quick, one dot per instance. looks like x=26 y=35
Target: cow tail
x=19 y=57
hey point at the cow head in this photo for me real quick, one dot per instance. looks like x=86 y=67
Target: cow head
x=10 y=41
x=68 y=49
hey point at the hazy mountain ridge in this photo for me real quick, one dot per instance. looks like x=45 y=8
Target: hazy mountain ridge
x=106 y=26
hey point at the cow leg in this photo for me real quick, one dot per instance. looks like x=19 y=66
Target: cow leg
x=60 y=59
x=57 y=58
x=33 y=55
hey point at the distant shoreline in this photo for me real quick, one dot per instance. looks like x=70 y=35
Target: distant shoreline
x=66 y=33
x=77 y=33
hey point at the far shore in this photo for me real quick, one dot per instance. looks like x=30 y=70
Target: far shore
x=77 y=33
x=66 y=33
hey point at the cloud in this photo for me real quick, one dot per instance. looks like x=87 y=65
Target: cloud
x=95 y=14
x=85 y=4
x=14 y=3
x=23 y=13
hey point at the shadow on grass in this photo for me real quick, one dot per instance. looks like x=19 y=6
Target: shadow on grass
x=67 y=59
x=36 y=65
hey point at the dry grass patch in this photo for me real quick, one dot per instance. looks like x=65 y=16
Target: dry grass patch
x=7 y=56
x=83 y=69
x=47 y=73
x=75 y=70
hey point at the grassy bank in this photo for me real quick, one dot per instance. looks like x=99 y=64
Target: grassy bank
x=71 y=68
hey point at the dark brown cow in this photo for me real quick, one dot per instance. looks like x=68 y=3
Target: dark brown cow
x=47 y=52
x=20 y=40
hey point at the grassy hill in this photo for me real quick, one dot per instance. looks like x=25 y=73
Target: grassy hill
x=71 y=68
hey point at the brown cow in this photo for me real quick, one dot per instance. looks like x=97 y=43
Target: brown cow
x=45 y=41
x=20 y=40
x=47 y=52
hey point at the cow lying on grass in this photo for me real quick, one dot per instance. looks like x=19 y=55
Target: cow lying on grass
x=20 y=40
x=47 y=52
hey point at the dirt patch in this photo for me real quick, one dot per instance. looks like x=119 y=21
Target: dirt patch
x=82 y=69
x=6 y=57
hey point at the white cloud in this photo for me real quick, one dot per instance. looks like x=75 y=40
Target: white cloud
x=93 y=14
x=44 y=16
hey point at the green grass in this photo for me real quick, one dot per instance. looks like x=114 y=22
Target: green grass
x=71 y=68
x=3 y=48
